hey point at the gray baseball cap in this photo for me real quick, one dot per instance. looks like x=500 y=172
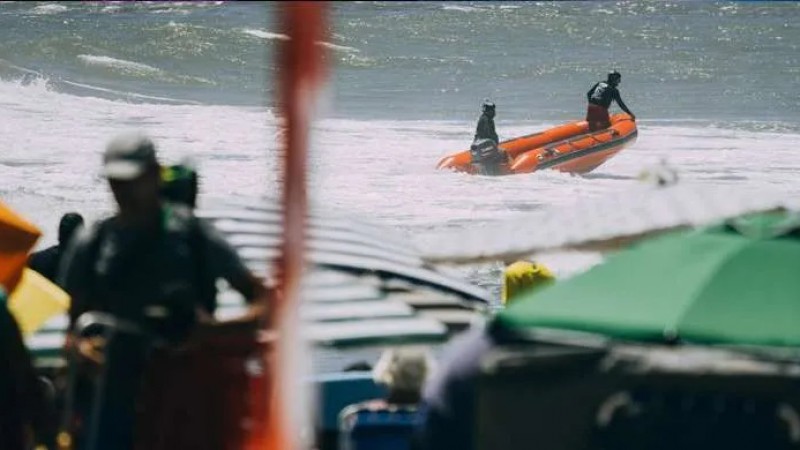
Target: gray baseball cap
x=128 y=156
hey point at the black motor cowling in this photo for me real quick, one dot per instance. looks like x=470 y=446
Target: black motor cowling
x=487 y=156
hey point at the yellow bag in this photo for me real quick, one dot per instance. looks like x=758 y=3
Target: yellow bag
x=524 y=276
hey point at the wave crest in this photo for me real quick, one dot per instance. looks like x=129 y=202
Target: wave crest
x=266 y=34
x=121 y=65
x=50 y=8
x=269 y=35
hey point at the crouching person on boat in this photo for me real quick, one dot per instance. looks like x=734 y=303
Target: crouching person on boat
x=600 y=97
x=150 y=270
x=485 y=151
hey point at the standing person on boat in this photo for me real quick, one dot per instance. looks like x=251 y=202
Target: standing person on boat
x=149 y=268
x=600 y=97
x=47 y=261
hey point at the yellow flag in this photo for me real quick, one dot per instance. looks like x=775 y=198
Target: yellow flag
x=35 y=301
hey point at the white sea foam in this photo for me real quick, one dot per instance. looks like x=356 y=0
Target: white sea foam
x=341 y=48
x=50 y=8
x=263 y=34
x=128 y=95
x=379 y=170
x=120 y=65
x=459 y=8
x=269 y=35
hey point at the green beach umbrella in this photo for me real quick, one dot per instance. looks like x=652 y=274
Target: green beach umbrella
x=737 y=284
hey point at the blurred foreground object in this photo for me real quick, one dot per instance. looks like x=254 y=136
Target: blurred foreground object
x=572 y=394
x=281 y=422
x=35 y=301
x=403 y=371
x=17 y=238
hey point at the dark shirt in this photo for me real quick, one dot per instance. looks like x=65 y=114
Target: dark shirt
x=485 y=129
x=449 y=400
x=46 y=262
x=21 y=395
x=603 y=94
x=129 y=273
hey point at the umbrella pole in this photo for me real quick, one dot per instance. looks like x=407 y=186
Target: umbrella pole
x=301 y=70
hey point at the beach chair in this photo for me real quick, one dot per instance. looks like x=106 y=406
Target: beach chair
x=378 y=426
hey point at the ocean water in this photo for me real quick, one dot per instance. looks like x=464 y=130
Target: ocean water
x=715 y=86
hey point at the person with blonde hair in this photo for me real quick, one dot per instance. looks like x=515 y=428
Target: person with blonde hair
x=403 y=371
x=389 y=422
x=523 y=277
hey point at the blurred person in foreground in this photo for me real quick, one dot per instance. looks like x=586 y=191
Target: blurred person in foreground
x=25 y=410
x=449 y=398
x=151 y=267
x=403 y=371
x=47 y=261
x=149 y=262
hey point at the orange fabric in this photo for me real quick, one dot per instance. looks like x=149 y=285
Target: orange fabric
x=17 y=238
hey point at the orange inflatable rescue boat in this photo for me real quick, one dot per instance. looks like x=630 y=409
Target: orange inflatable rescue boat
x=568 y=148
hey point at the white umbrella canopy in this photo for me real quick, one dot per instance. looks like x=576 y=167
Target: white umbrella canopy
x=604 y=224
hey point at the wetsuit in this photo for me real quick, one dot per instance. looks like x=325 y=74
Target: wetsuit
x=46 y=262
x=600 y=97
x=485 y=129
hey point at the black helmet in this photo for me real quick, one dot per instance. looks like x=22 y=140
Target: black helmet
x=487 y=105
x=614 y=77
x=180 y=183
x=69 y=224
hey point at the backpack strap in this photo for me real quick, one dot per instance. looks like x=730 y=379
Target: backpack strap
x=93 y=251
x=206 y=285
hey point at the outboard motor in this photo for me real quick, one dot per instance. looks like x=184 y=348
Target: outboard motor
x=487 y=156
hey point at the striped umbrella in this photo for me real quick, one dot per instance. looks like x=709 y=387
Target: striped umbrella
x=365 y=285
x=351 y=260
